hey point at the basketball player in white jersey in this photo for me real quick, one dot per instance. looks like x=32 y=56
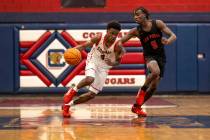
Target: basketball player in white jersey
x=104 y=54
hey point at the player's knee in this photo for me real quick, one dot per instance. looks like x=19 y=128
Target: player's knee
x=89 y=80
x=156 y=74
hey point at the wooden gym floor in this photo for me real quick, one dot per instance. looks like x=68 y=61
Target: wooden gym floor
x=105 y=118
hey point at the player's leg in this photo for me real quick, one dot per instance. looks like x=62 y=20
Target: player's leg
x=84 y=98
x=136 y=108
x=154 y=69
x=153 y=86
x=151 y=90
x=81 y=99
x=72 y=91
x=88 y=80
x=94 y=88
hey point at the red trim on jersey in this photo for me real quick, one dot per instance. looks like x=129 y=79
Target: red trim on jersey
x=95 y=88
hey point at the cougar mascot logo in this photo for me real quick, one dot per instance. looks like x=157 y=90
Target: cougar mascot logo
x=55 y=58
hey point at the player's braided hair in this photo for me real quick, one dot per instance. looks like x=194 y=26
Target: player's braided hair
x=144 y=10
x=114 y=24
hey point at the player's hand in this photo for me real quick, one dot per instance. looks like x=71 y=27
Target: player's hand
x=164 y=41
x=108 y=61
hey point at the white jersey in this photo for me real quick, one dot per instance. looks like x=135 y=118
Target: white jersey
x=97 y=51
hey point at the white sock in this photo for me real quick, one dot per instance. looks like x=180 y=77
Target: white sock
x=70 y=103
x=75 y=88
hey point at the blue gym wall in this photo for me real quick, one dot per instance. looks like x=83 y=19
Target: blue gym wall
x=184 y=71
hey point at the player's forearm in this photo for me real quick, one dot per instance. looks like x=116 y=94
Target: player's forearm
x=80 y=47
x=171 y=39
x=120 y=43
x=84 y=45
x=119 y=57
x=118 y=60
x=112 y=63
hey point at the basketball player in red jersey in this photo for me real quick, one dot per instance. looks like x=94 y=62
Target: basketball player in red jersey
x=150 y=33
x=103 y=55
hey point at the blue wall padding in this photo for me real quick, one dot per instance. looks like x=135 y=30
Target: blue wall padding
x=7 y=59
x=187 y=58
x=184 y=71
x=16 y=60
x=204 y=64
x=168 y=82
x=129 y=66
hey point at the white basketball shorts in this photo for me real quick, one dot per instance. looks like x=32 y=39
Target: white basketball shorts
x=99 y=74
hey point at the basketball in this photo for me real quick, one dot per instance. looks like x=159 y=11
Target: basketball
x=72 y=56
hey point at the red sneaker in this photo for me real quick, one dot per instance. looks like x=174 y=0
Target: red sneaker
x=140 y=97
x=138 y=110
x=66 y=113
x=69 y=95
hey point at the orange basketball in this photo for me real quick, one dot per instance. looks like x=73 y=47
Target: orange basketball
x=72 y=56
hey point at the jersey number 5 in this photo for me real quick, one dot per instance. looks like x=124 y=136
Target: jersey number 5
x=154 y=44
